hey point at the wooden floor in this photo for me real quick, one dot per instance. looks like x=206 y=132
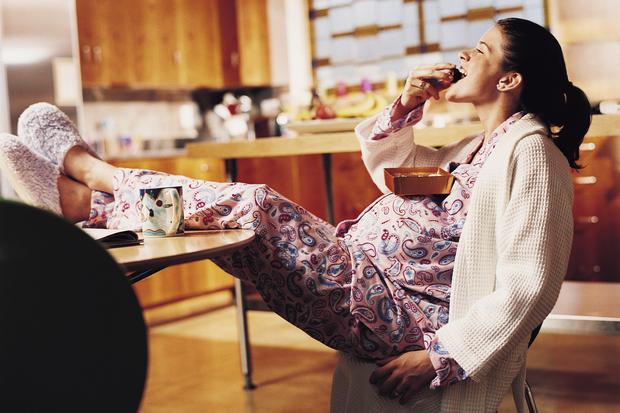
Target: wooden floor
x=194 y=367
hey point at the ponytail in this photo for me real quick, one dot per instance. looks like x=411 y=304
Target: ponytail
x=574 y=126
x=535 y=53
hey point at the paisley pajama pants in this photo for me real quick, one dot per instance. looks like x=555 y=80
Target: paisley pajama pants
x=303 y=271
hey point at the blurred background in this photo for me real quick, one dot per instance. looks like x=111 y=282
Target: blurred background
x=144 y=78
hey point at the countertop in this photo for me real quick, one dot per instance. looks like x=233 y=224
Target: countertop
x=338 y=142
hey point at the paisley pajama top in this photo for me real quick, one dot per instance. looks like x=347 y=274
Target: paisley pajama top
x=415 y=238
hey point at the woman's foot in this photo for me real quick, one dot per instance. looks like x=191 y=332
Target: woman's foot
x=93 y=172
x=50 y=132
x=33 y=177
x=38 y=181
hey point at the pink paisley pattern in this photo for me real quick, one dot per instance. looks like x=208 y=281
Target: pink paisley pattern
x=379 y=287
x=447 y=224
x=388 y=122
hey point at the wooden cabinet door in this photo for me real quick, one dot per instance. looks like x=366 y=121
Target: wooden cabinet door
x=105 y=52
x=116 y=48
x=174 y=43
x=153 y=42
x=91 y=29
x=198 y=41
x=253 y=31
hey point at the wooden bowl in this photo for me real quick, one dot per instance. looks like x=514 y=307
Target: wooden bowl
x=418 y=181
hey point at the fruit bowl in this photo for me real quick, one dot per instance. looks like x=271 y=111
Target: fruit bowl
x=418 y=181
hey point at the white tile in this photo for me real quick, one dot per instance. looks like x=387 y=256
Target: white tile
x=454 y=34
x=536 y=14
x=364 y=13
x=341 y=19
x=392 y=43
x=451 y=57
x=333 y=3
x=432 y=33
x=410 y=15
x=475 y=30
x=322 y=48
x=412 y=62
x=518 y=14
x=325 y=77
x=368 y=48
x=322 y=28
x=431 y=58
x=397 y=65
x=412 y=36
x=533 y=3
x=320 y=4
x=502 y=4
x=452 y=7
x=347 y=74
x=476 y=4
x=431 y=11
x=343 y=49
x=390 y=12
x=371 y=72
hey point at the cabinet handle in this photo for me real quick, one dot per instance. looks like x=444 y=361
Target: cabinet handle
x=585 y=180
x=98 y=54
x=592 y=219
x=588 y=146
x=86 y=54
x=234 y=59
x=204 y=167
x=176 y=56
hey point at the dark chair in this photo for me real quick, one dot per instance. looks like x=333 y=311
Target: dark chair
x=72 y=335
x=529 y=395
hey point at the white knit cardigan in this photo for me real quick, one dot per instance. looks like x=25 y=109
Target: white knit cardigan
x=510 y=263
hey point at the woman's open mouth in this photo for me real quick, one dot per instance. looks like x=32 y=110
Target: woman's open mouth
x=462 y=71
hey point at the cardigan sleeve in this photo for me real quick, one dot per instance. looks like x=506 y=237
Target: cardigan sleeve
x=533 y=241
x=446 y=368
x=396 y=148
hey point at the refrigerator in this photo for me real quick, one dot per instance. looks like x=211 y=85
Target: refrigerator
x=38 y=42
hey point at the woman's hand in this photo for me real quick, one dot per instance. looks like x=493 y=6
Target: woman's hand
x=425 y=82
x=402 y=376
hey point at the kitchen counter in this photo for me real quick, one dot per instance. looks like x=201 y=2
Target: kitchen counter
x=338 y=142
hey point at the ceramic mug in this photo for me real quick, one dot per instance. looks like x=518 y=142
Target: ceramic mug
x=162 y=211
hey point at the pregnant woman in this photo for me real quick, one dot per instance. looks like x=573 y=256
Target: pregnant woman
x=436 y=290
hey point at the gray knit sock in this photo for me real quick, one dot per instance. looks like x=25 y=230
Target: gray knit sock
x=33 y=177
x=48 y=131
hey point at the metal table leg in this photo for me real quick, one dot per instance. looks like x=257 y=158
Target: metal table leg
x=329 y=196
x=241 y=306
x=244 y=338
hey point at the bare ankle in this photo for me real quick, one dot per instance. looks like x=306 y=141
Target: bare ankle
x=85 y=168
x=74 y=199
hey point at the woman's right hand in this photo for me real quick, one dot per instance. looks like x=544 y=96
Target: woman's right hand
x=425 y=82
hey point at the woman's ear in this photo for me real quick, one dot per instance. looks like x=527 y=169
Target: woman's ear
x=510 y=81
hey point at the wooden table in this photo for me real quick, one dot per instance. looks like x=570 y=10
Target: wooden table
x=155 y=254
x=586 y=308
x=192 y=246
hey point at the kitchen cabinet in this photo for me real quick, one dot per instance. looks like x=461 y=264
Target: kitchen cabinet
x=595 y=238
x=180 y=282
x=173 y=43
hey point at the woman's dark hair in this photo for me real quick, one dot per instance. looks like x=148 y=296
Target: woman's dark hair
x=535 y=53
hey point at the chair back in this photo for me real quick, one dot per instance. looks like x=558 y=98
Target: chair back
x=72 y=334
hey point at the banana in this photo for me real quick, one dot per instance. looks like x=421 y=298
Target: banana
x=371 y=104
x=380 y=104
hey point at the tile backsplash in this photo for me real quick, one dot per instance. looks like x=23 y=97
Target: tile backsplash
x=119 y=128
